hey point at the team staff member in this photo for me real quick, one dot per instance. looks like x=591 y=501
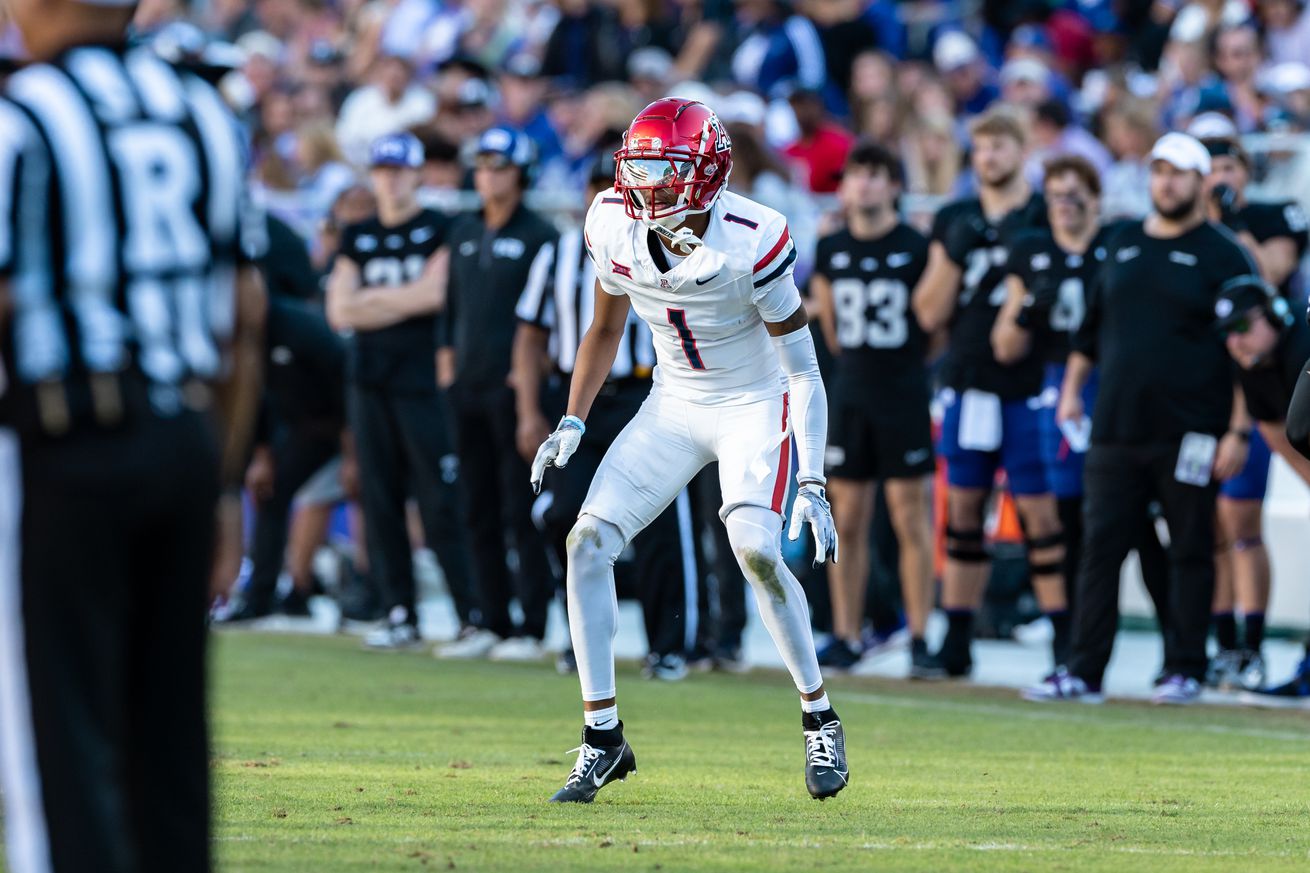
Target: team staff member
x=388 y=286
x=126 y=298
x=1050 y=272
x=1272 y=347
x=1165 y=425
x=497 y=255
x=991 y=410
x=1275 y=235
x=880 y=426
x=553 y=319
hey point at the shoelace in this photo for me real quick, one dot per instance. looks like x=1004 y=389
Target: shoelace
x=586 y=754
x=821 y=745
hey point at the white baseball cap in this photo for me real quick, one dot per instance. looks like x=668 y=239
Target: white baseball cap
x=953 y=50
x=1025 y=70
x=1212 y=125
x=1182 y=151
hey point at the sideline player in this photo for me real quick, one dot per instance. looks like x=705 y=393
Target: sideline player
x=991 y=410
x=1275 y=235
x=880 y=425
x=710 y=273
x=1272 y=348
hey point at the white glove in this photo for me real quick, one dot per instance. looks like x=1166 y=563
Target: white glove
x=558 y=448
x=812 y=505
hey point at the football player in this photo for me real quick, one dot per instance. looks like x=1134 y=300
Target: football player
x=1275 y=235
x=991 y=409
x=710 y=272
x=880 y=424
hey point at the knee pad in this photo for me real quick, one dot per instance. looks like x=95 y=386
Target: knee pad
x=594 y=543
x=966 y=546
x=1050 y=541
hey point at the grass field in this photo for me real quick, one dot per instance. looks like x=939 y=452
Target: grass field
x=330 y=759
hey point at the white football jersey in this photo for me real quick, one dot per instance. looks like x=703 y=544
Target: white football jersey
x=707 y=313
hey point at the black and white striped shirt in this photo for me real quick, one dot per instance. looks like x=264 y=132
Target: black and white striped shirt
x=565 y=306
x=123 y=219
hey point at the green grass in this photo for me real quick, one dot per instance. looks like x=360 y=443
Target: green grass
x=330 y=759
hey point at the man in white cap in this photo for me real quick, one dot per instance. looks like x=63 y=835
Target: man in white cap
x=129 y=325
x=1168 y=424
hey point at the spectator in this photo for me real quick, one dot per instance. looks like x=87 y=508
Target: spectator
x=324 y=173
x=650 y=70
x=823 y=144
x=1025 y=82
x=390 y=103
x=845 y=31
x=875 y=106
x=498 y=254
x=1236 y=59
x=933 y=157
x=778 y=51
x=1286 y=30
x=967 y=77
x=522 y=104
x=1130 y=130
x=585 y=44
x=1054 y=132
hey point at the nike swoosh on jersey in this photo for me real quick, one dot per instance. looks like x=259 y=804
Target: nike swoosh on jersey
x=710 y=279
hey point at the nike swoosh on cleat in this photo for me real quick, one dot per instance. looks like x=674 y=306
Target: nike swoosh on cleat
x=844 y=778
x=599 y=778
x=710 y=279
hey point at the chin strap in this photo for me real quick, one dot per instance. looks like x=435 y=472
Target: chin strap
x=681 y=239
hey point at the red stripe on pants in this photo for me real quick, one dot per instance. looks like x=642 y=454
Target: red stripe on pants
x=784 y=461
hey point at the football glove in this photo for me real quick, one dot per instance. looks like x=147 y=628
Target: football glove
x=558 y=448
x=812 y=505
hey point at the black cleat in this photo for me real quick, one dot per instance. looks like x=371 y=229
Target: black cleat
x=826 y=772
x=603 y=757
x=922 y=664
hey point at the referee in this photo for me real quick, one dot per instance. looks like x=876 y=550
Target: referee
x=126 y=297
x=1165 y=427
x=553 y=318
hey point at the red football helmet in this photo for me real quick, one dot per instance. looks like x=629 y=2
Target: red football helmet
x=676 y=158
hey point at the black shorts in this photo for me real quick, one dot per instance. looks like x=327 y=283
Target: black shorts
x=884 y=438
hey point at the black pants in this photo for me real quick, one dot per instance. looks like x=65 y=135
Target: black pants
x=1121 y=481
x=499 y=499
x=402 y=442
x=297 y=455
x=106 y=542
x=663 y=570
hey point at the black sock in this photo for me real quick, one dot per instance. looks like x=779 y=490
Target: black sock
x=918 y=646
x=1060 y=644
x=1253 y=630
x=611 y=737
x=812 y=720
x=1225 y=630
x=959 y=625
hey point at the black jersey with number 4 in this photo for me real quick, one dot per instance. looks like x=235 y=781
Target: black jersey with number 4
x=981 y=249
x=1055 y=282
x=882 y=345
x=401 y=357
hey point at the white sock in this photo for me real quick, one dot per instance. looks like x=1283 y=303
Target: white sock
x=818 y=705
x=753 y=532
x=605 y=719
x=593 y=545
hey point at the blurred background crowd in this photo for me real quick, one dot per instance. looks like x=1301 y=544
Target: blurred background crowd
x=796 y=82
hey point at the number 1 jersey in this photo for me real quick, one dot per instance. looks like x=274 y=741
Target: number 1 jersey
x=882 y=345
x=707 y=312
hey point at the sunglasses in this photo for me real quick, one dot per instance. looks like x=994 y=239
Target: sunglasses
x=491 y=161
x=1239 y=327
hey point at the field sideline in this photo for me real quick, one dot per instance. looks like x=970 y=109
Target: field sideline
x=328 y=758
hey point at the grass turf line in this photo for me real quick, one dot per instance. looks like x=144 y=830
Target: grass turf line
x=328 y=758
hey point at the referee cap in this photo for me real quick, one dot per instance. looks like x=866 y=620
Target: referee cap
x=1182 y=151
x=396 y=150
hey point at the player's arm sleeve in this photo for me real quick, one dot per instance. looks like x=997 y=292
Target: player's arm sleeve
x=809 y=401
x=773 y=290
x=1298 y=414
